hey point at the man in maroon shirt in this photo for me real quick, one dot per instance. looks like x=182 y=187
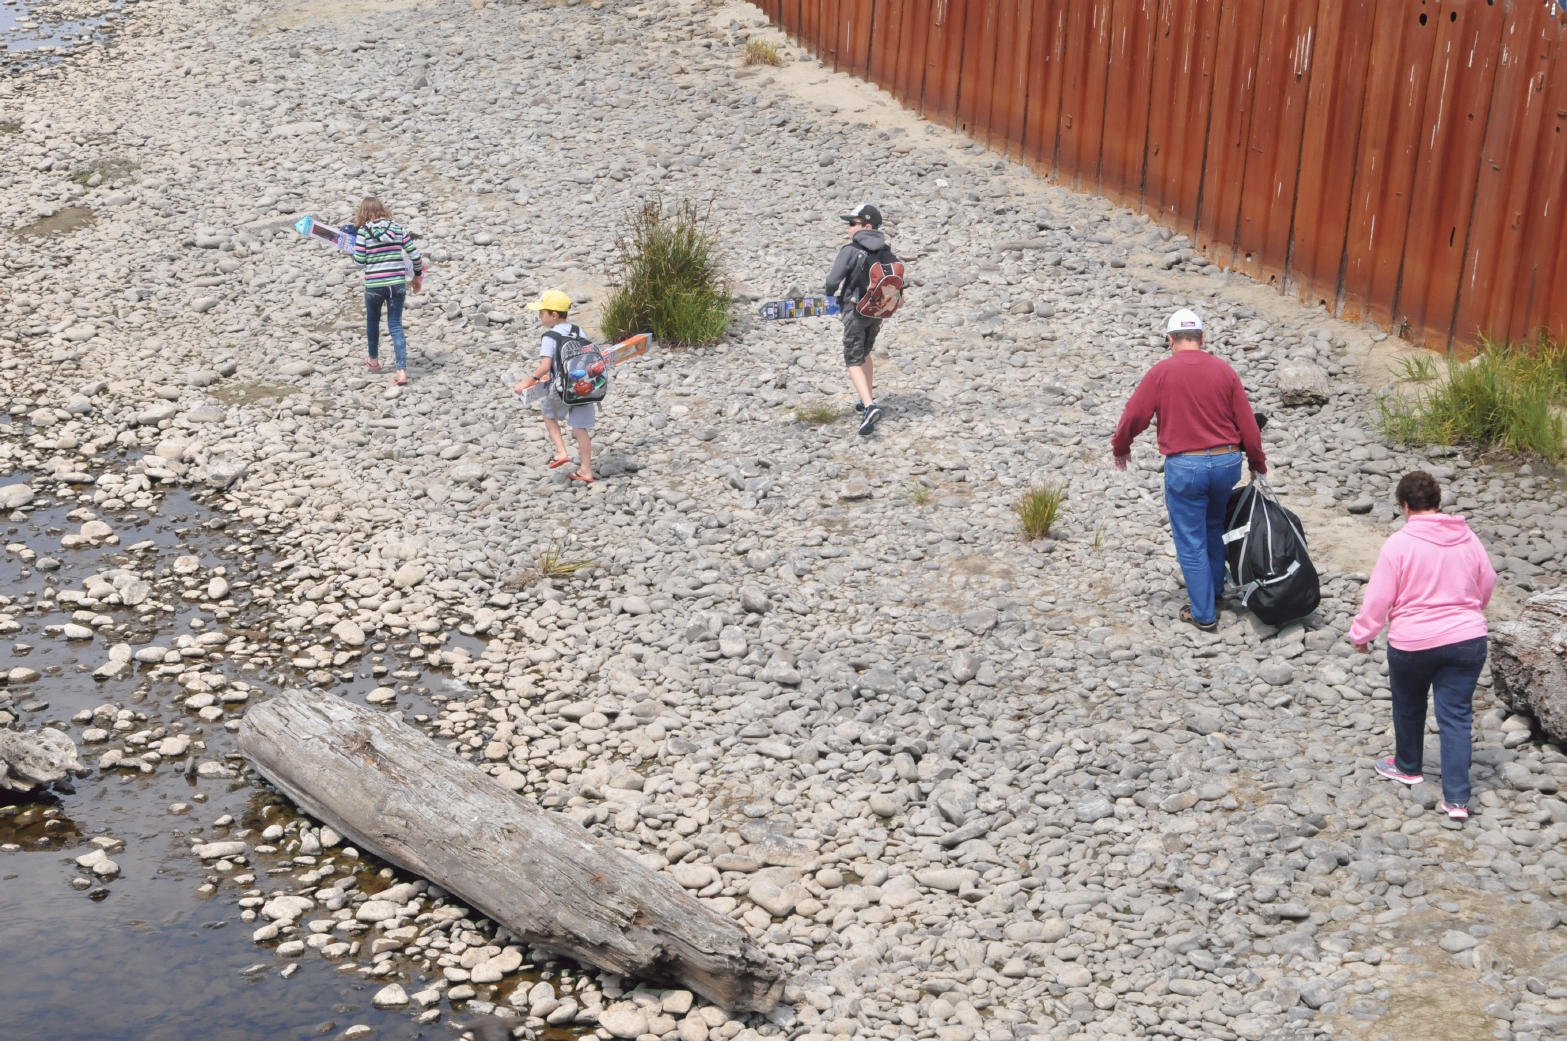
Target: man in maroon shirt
x=1204 y=423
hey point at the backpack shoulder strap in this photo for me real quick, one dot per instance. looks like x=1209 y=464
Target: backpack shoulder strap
x=860 y=270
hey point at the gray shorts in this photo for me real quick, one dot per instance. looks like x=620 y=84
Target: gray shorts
x=578 y=417
x=859 y=337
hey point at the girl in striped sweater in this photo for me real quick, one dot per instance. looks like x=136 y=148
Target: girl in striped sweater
x=391 y=261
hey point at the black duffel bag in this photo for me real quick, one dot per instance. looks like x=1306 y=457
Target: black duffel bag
x=1265 y=548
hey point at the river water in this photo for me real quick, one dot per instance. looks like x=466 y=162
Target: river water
x=160 y=952
x=29 y=30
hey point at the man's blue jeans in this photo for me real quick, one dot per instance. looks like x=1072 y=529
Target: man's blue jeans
x=1449 y=673
x=390 y=297
x=1196 y=490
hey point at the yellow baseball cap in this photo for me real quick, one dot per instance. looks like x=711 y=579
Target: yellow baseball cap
x=552 y=300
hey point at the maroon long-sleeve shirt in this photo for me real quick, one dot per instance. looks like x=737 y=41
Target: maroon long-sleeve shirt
x=1200 y=403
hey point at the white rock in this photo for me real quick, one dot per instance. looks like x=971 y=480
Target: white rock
x=624 y=1024
x=15 y=495
x=1074 y=976
x=218 y=850
x=373 y=911
x=390 y=996
x=948 y=879
x=286 y=906
x=348 y=633
x=86 y=861
x=693 y=876
x=1452 y=941
x=174 y=746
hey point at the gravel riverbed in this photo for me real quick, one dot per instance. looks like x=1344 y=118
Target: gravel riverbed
x=964 y=786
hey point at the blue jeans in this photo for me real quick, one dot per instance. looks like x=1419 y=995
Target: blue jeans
x=1196 y=490
x=1449 y=673
x=392 y=298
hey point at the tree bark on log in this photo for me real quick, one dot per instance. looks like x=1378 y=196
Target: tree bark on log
x=1529 y=661
x=395 y=792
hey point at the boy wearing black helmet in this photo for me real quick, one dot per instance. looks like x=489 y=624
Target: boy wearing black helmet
x=848 y=280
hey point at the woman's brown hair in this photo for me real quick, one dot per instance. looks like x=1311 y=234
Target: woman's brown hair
x=1419 y=491
x=371 y=209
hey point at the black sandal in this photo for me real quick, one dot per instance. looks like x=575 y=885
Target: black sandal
x=1210 y=627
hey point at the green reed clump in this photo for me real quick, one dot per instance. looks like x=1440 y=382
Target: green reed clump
x=670 y=282
x=1504 y=398
x=1039 y=508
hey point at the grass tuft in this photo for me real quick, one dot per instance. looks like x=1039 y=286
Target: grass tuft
x=1418 y=368
x=670 y=282
x=553 y=563
x=821 y=413
x=1039 y=508
x=1501 y=399
x=761 y=52
x=920 y=494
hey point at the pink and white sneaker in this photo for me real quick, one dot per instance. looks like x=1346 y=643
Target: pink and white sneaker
x=1456 y=813
x=1386 y=768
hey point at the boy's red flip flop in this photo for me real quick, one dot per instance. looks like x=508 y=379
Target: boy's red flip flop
x=581 y=479
x=562 y=461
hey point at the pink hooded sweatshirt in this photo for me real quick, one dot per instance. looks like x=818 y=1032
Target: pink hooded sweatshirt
x=1433 y=580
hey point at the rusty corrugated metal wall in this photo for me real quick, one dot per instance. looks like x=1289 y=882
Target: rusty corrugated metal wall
x=1398 y=160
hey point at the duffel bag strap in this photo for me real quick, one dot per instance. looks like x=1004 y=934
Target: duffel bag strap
x=1256 y=584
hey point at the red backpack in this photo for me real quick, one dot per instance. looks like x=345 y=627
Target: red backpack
x=883 y=284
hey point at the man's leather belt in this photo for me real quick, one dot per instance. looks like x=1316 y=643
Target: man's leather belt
x=1220 y=450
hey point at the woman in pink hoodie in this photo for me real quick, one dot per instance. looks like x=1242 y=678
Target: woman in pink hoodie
x=1433 y=582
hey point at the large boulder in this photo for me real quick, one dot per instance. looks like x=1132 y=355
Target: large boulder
x=28 y=760
x=1302 y=382
x=1528 y=664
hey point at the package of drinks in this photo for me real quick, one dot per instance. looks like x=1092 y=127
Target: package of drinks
x=800 y=307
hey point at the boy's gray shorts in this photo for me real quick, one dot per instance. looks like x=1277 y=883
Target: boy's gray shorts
x=859 y=337
x=578 y=417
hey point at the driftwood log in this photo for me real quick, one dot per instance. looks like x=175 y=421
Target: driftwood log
x=395 y=792
x=1529 y=661
x=28 y=760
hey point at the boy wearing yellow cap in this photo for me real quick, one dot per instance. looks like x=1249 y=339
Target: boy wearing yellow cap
x=553 y=307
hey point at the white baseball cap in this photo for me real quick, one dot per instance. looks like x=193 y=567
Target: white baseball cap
x=1184 y=321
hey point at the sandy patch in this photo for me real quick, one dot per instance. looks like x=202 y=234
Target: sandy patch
x=334 y=12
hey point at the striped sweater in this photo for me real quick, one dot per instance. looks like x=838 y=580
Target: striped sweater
x=379 y=246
